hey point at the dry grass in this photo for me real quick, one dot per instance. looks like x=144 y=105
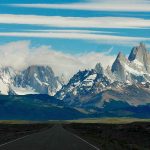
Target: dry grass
x=109 y=120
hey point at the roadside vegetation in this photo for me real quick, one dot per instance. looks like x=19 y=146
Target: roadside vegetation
x=114 y=136
x=11 y=130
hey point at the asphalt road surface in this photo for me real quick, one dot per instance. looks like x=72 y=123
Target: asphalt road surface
x=56 y=138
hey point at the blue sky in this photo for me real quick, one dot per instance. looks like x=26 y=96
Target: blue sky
x=76 y=26
x=75 y=45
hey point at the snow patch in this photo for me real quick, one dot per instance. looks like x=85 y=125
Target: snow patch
x=35 y=75
x=138 y=62
x=4 y=88
x=133 y=71
x=23 y=91
x=59 y=86
x=91 y=77
x=75 y=92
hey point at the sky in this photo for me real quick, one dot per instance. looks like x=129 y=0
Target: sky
x=70 y=35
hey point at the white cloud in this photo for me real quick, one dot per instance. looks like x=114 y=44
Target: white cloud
x=72 y=31
x=20 y=55
x=99 y=38
x=77 y=22
x=97 y=5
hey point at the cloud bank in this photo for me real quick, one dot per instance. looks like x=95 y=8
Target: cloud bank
x=76 y=22
x=20 y=55
x=98 y=38
x=97 y=5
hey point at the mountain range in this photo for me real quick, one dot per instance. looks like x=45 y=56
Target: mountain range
x=120 y=90
x=124 y=75
x=32 y=80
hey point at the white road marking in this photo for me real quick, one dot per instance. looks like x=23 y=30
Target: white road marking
x=19 y=139
x=86 y=142
x=14 y=140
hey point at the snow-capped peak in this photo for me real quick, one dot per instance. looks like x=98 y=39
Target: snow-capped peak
x=84 y=83
x=34 y=79
x=136 y=68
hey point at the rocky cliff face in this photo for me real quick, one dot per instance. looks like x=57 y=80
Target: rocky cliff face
x=141 y=56
x=118 y=67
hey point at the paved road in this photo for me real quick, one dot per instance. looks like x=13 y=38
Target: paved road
x=56 y=138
